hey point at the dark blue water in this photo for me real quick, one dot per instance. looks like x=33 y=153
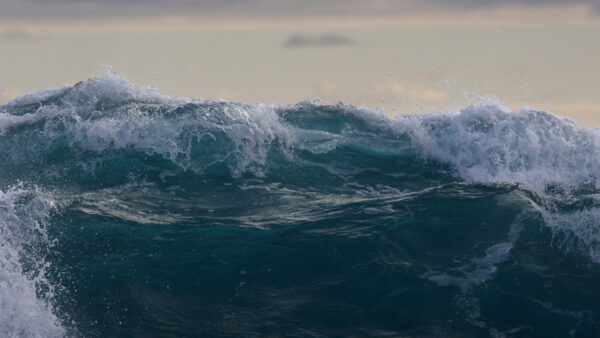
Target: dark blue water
x=127 y=213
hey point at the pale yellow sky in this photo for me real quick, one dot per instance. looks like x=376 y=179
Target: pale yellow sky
x=543 y=57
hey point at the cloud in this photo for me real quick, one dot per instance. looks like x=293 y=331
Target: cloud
x=74 y=9
x=326 y=40
x=473 y=4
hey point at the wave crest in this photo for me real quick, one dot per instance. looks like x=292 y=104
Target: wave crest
x=484 y=142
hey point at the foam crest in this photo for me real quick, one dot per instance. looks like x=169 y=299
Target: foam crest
x=110 y=89
x=34 y=98
x=110 y=113
x=9 y=121
x=24 y=290
x=236 y=136
x=486 y=142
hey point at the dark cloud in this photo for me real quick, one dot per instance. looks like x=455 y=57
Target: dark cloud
x=326 y=40
x=73 y=9
x=482 y=4
x=334 y=39
x=82 y=9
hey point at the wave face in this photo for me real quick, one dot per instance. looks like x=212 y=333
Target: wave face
x=127 y=213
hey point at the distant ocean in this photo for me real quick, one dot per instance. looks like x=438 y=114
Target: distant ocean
x=124 y=212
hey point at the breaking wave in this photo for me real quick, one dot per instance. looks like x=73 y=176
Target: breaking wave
x=525 y=182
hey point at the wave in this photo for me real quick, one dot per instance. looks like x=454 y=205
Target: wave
x=111 y=150
x=484 y=142
x=106 y=129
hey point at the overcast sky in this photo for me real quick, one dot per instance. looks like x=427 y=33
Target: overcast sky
x=81 y=9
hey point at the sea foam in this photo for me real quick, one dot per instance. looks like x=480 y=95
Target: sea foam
x=486 y=142
x=25 y=292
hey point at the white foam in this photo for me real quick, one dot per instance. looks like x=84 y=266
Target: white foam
x=486 y=142
x=115 y=88
x=137 y=203
x=479 y=270
x=251 y=131
x=576 y=232
x=9 y=121
x=87 y=93
x=25 y=293
x=33 y=98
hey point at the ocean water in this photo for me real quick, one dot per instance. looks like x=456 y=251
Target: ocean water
x=127 y=213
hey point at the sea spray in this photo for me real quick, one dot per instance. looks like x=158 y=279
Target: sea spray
x=25 y=291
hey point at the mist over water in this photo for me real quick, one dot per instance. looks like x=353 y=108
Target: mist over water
x=125 y=212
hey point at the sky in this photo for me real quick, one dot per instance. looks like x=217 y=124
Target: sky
x=402 y=56
x=69 y=9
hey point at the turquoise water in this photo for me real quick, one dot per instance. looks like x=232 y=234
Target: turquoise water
x=128 y=213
